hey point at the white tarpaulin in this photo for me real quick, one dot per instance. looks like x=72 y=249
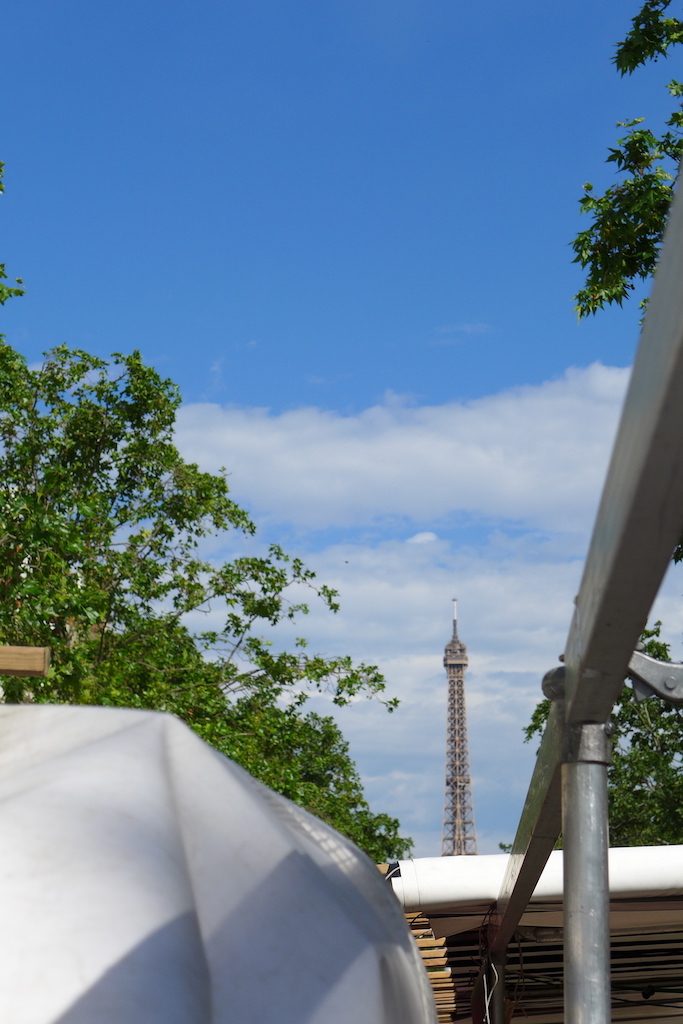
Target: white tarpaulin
x=145 y=878
x=457 y=893
x=453 y=883
x=458 y=896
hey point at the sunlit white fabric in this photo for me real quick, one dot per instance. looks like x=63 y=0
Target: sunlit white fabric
x=145 y=878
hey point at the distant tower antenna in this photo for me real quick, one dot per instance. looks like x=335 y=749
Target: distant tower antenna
x=459 y=836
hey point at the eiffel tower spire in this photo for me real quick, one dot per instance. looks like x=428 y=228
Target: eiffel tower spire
x=459 y=834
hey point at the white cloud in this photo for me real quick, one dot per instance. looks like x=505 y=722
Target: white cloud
x=456 y=335
x=534 y=454
x=474 y=328
x=492 y=500
x=395 y=612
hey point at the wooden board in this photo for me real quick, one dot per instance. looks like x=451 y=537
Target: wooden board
x=24 y=661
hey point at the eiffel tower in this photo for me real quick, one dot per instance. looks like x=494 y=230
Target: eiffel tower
x=459 y=836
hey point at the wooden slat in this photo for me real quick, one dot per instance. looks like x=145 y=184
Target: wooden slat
x=24 y=661
x=436 y=959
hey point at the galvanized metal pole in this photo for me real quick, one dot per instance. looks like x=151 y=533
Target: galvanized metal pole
x=586 y=882
x=638 y=524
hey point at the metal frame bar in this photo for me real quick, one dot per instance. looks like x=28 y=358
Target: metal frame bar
x=586 y=882
x=638 y=524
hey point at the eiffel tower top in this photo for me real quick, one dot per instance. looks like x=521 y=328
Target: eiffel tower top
x=455 y=652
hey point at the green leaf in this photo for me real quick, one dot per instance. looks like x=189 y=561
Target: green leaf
x=103 y=523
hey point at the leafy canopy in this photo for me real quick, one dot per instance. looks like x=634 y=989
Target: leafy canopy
x=622 y=243
x=103 y=540
x=646 y=774
x=101 y=530
x=7 y=291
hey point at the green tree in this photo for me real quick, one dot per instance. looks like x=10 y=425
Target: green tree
x=102 y=526
x=101 y=531
x=646 y=774
x=622 y=243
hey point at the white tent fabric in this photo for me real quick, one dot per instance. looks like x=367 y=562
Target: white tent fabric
x=457 y=893
x=451 y=883
x=458 y=896
x=145 y=878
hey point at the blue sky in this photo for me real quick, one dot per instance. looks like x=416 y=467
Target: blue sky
x=337 y=192
x=343 y=228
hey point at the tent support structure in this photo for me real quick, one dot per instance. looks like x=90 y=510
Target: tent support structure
x=586 y=881
x=639 y=522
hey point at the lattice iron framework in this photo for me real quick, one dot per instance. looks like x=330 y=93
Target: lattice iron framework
x=459 y=835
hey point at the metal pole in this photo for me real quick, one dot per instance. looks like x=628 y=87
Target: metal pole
x=586 y=883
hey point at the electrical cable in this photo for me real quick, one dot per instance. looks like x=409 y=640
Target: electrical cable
x=488 y=996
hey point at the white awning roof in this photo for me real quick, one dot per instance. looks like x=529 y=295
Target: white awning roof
x=452 y=883
x=458 y=895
